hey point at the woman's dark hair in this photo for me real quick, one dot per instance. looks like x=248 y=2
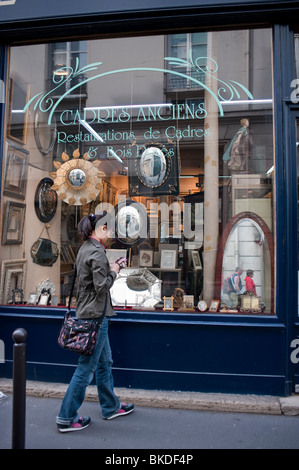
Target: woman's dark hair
x=90 y=222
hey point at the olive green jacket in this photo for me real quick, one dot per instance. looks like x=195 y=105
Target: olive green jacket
x=94 y=279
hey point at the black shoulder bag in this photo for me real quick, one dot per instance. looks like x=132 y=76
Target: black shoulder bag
x=77 y=334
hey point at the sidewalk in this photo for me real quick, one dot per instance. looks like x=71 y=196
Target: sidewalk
x=258 y=404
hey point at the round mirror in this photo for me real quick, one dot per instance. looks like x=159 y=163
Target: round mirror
x=130 y=222
x=77 y=177
x=152 y=167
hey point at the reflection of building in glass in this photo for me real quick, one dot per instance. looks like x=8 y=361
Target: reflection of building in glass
x=153 y=166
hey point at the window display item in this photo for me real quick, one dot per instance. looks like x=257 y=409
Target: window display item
x=136 y=287
x=77 y=181
x=44 y=252
x=202 y=306
x=45 y=200
x=154 y=171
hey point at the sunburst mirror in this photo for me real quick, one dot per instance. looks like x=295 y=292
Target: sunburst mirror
x=77 y=181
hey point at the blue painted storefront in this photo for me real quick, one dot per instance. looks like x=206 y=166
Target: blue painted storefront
x=179 y=351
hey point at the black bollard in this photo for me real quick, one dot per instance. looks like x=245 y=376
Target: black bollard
x=19 y=388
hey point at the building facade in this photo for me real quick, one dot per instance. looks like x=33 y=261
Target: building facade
x=181 y=121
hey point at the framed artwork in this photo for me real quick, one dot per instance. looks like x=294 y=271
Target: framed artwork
x=188 y=301
x=113 y=254
x=146 y=258
x=45 y=200
x=168 y=259
x=18 y=97
x=214 y=306
x=168 y=303
x=250 y=303
x=154 y=170
x=43 y=300
x=15 y=173
x=32 y=299
x=13 y=276
x=13 y=225
x=196 y=259
x=17 y=296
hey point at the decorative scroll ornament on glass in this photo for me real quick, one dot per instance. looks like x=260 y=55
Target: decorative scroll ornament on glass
x=77 y=181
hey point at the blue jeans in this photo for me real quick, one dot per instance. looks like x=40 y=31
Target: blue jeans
x=99 y=364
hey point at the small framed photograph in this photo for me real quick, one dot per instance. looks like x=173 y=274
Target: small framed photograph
x=188 y=301
x=54 y=300
x=43 y=300
x=214 y=306
x=168 y=303
x=168 y=259
x=196 y=259
x=146 y=258
x=32 y=299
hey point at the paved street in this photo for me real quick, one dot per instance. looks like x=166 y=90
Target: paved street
x=152 y=428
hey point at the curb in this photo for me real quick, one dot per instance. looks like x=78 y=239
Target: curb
x=217 y=402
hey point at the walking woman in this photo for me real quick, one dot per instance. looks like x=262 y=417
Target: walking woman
x=94 y=280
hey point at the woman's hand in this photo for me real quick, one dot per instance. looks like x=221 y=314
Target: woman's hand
x=115 y=267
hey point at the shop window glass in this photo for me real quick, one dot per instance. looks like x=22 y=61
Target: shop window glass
x=178 y=147
x=297 y=148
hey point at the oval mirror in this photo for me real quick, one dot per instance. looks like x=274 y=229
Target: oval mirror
x=247 y=242
x=130 y=222
x=77 y=177
x=152 y=167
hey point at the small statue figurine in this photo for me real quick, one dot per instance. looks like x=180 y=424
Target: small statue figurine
x=178 y=294
x=238 y=152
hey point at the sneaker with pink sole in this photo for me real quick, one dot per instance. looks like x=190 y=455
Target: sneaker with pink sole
x=125 y=409
x=78 y=425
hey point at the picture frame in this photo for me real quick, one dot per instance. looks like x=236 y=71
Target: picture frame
x=168 y=259
x=146 y=258
x=168 y=303
x=250 y=303
x=196 y=259
x=18 y=97
x=113 y=254
x=214 y=306
x=13 y=276
x=32 y=299
x=17 y=296
x=13 y=226
x=15 y=173
x=188 y=302
x=43 y=300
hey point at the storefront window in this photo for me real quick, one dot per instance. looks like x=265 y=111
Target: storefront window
x=178 y=147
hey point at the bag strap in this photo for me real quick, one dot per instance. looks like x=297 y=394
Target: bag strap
x=71 y=295
x=72 y=289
